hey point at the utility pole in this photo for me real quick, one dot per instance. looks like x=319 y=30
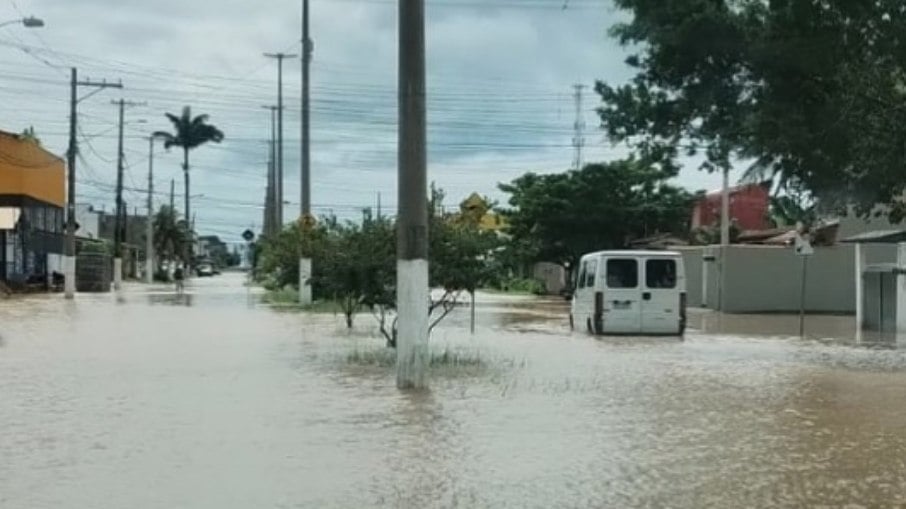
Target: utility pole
x=118 y=236
x=305 y=262
x=579 y=128
x=308 y=47
x=69 y=258
x=279 y=185
x=412 y=232
x=149 y=223
x=272 y=225
x=172 y=194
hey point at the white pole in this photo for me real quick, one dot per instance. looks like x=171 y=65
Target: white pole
x=859 y=266
x=901 y=289
x=725 y=210
x=149 y=227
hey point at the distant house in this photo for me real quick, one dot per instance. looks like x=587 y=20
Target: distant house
x=749 y=207
x=211 y=247
x=476 y=210
x=32 y=200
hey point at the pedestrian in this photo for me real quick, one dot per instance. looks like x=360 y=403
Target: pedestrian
x=178 y=276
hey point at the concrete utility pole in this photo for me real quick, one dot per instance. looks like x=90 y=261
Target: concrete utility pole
x=412 y=231
x=69 y=258
x=149 y=224
x=308 y=47
x=119 y=220
x=272 y=225
x=279 y=186
x=579 y=128
x=305 y=268
x=172 y=195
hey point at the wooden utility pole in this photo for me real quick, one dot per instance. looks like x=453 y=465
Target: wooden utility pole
x=412 y=229
x=69 y=258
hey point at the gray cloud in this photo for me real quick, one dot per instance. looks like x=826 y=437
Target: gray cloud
x=499 y=89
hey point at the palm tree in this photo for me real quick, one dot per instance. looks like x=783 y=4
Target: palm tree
x=170 y=235
x=189 y=133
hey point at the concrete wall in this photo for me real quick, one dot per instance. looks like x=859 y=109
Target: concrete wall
x=551 y=275
x=692 y=260
x=768 y=279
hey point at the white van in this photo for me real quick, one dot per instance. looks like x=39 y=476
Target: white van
x=630 y=292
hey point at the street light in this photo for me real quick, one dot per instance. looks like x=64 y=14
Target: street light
x=29 y=22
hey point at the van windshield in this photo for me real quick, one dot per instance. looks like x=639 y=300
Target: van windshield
x=622 y=273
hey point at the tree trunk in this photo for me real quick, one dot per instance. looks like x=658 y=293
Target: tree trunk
x=188 y=247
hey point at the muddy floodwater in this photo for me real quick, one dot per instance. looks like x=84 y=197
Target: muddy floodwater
x=210 y=400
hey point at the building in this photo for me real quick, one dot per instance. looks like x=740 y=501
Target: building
x=477 y=210
x=32 y=201
x=89 y=222
x=749 y=208
x=210 y=247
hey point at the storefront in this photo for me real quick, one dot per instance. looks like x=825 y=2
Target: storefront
x=31 y=211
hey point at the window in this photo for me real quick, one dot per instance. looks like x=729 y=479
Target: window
x=590 y=273
x=582 y=275
x=38 y=223
x=622 y=273
x=660 y=273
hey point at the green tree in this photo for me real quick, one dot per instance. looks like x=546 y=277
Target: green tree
x=188 y=134
x=170 y=235
x=355 y=264
x=358 y=268
x=812 y=92
x=559 y=217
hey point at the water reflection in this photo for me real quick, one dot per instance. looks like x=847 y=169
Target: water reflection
x=160 y=403
x=171 y=299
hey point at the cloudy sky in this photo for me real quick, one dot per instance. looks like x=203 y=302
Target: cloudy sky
x=500 y=80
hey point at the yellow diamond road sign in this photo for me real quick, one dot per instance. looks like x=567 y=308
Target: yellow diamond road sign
x=307 y=221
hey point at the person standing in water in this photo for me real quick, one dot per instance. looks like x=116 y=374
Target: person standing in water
x=179 y=277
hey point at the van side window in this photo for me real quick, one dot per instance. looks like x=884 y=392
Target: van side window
x=582 y=275
x=660 y=273
x=591 y=273
x=622 y=273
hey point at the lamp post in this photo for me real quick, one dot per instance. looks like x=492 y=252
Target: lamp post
x=29 y=22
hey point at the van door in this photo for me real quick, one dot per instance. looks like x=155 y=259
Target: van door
x=661 y=297
x=622 y=296
x=578 y=308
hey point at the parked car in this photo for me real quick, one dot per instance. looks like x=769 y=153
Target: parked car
x=630 y=292
x=205 y=270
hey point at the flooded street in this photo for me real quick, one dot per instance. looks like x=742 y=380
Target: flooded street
x=209 y=400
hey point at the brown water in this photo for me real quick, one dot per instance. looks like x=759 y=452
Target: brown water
x=149 y=401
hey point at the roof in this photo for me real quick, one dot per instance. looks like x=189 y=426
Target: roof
x=660 y=239
x=636 y=252
x=877 y=237
x=738 y=188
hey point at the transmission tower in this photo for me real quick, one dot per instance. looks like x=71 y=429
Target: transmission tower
x=579 y=128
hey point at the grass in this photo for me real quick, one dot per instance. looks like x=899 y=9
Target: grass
x=386 y=358
x=288 y=298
